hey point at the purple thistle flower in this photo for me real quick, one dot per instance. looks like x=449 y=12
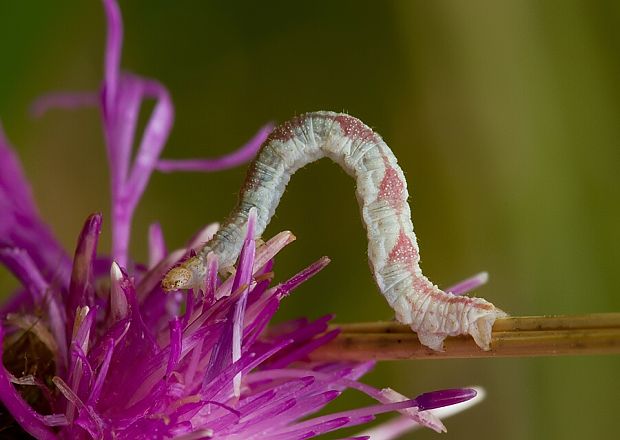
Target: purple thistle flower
x=93 y=348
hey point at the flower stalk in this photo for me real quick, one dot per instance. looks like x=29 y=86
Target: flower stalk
x=522 y=336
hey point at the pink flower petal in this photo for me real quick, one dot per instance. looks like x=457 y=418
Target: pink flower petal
x=157 y=245
x=469 y=284
x=81 y=289
x=239 y=157
x=63 y=100
x=114 y=43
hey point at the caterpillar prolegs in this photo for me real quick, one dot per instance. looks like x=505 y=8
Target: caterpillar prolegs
x=382 y=195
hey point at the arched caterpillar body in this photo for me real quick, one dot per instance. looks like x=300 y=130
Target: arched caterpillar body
x=382 y=195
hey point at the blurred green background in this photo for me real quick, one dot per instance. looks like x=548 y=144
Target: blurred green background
x=504 y=116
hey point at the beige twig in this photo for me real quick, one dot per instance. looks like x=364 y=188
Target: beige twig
x=512 y=337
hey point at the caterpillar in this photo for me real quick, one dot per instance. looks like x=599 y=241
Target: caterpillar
x=381 y=191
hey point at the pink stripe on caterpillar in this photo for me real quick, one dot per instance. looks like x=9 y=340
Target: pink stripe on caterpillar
x=404 y=252
x=353 y=128
x=382 y=194
x=391 y=187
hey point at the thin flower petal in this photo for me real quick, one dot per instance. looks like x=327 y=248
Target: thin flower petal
x=395 y=428
x=119 y=307
x=13 y=184
x=211 y=279
x=349 y=418
x=63 y=100
x=157 y=245
x=120 y=130
x=441 y=398
x=94 y=426
x=263 y=255
x=82 y=287
x=426 y=419
x=82 y=372
x=114 y=43
x=23 y=268
x=129 y=191
x=103 y=371
x=243 y=277
x=304 y=275
x=176 y=343
x=469 y=284
x=214 y=383
x=231 y=160
x=199 y=434
x=301 y=352
x=153 y=140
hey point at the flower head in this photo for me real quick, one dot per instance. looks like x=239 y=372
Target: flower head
x=93 y=348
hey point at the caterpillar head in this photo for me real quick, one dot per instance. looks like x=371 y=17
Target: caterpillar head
x=189 y=275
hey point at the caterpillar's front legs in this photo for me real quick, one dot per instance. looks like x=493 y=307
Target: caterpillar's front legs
x=189 y=275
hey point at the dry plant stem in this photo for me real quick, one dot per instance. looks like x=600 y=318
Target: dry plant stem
x=511 y=337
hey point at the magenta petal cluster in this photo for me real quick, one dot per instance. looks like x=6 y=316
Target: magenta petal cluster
x=92 y=348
